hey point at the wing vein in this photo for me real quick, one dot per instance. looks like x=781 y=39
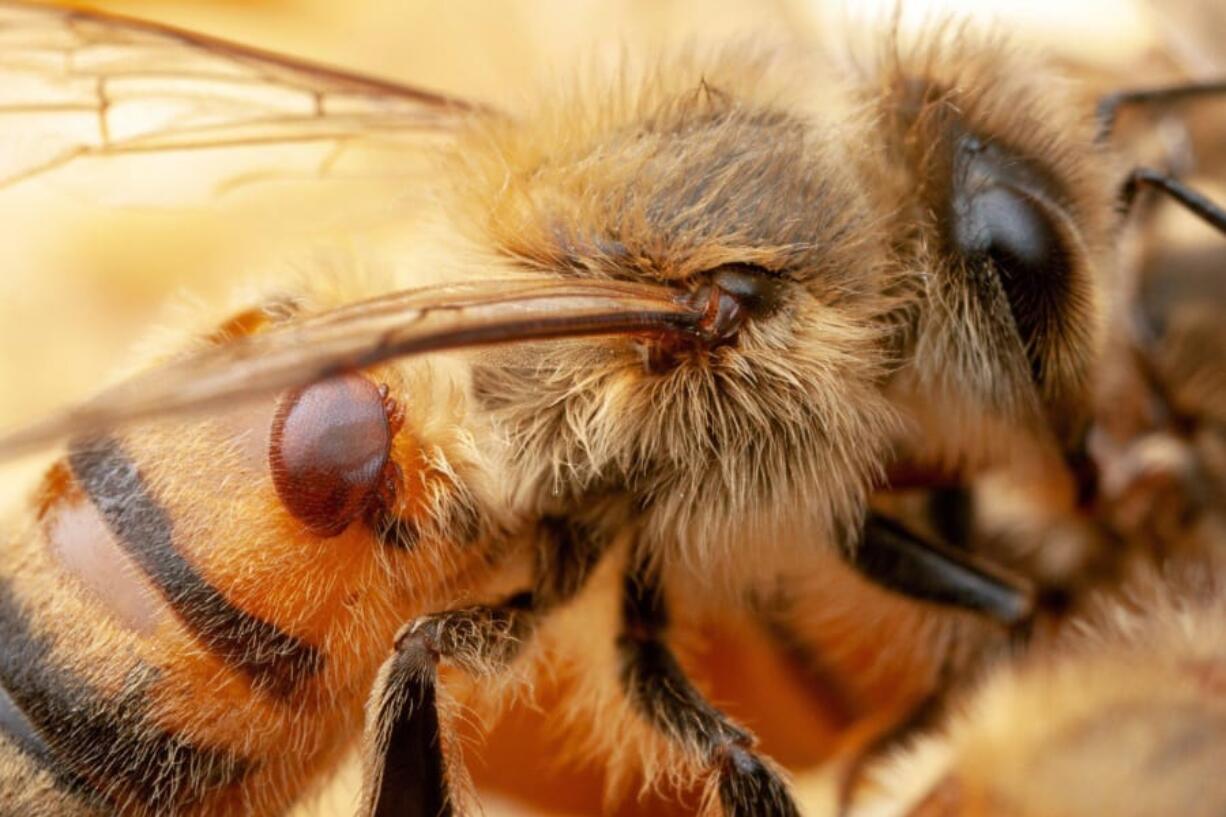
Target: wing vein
x=154 y=87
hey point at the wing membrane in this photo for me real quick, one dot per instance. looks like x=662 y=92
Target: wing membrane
x=364 y=334
x=1194 y=32
x=76 y=85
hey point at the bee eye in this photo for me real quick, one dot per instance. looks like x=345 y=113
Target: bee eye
x=1015 y=232
x=328 y=451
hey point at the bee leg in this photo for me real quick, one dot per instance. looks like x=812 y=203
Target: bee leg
x=895 y=558
x=406 y=770
x=406 y=773
x=1110 y=105
x=745 y=784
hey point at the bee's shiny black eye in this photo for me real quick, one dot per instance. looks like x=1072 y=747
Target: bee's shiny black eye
x=1012 y=229
x=999 y=221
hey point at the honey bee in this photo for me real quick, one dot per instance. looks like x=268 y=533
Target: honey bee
x=655 y=342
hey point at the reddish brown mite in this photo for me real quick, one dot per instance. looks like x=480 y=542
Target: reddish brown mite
x=329 y=451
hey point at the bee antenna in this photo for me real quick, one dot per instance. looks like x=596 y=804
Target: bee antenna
x=1109 y=106
x=1190 y=199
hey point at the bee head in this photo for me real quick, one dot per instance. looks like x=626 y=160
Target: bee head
x=898 y=265
x=719 y=182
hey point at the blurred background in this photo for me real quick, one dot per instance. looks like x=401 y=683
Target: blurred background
x=83 y=280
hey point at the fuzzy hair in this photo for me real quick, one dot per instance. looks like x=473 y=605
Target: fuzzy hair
x=694 y=163
x=704 y=160
x=1122 y=715
x=968 y=372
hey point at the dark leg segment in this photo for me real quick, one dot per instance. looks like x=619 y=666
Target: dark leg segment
x=657 y=686
x=898 y=560
x=406 y=772
x=405 y=775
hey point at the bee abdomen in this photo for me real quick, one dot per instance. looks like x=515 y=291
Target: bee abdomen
x=179 y=640
x=173 y=698
x=30 y=769
x=100 y=750
x=276 y=661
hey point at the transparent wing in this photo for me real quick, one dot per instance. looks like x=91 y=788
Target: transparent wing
x=76 y=86
x=364 y=334
x=1194 y=32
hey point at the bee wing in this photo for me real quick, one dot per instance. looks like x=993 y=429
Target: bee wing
x=77 y=86
x=1194 y=32
x=363 y=334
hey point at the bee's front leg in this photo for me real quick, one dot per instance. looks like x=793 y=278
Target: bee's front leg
x=406 y=768
x=407 y=773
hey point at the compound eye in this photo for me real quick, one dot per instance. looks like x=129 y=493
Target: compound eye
x=328 y=451
x=1012 y=229
x=1016 y=233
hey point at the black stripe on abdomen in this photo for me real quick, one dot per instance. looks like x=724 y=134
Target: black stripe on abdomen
x=275 y=661
x=20 y=733
x=106 y=747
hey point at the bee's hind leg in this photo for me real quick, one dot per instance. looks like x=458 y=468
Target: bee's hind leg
x=745 y=784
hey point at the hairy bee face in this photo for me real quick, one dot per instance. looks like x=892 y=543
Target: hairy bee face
x=713 y=184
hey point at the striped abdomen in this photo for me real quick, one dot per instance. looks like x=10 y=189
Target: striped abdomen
x=173 y=640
